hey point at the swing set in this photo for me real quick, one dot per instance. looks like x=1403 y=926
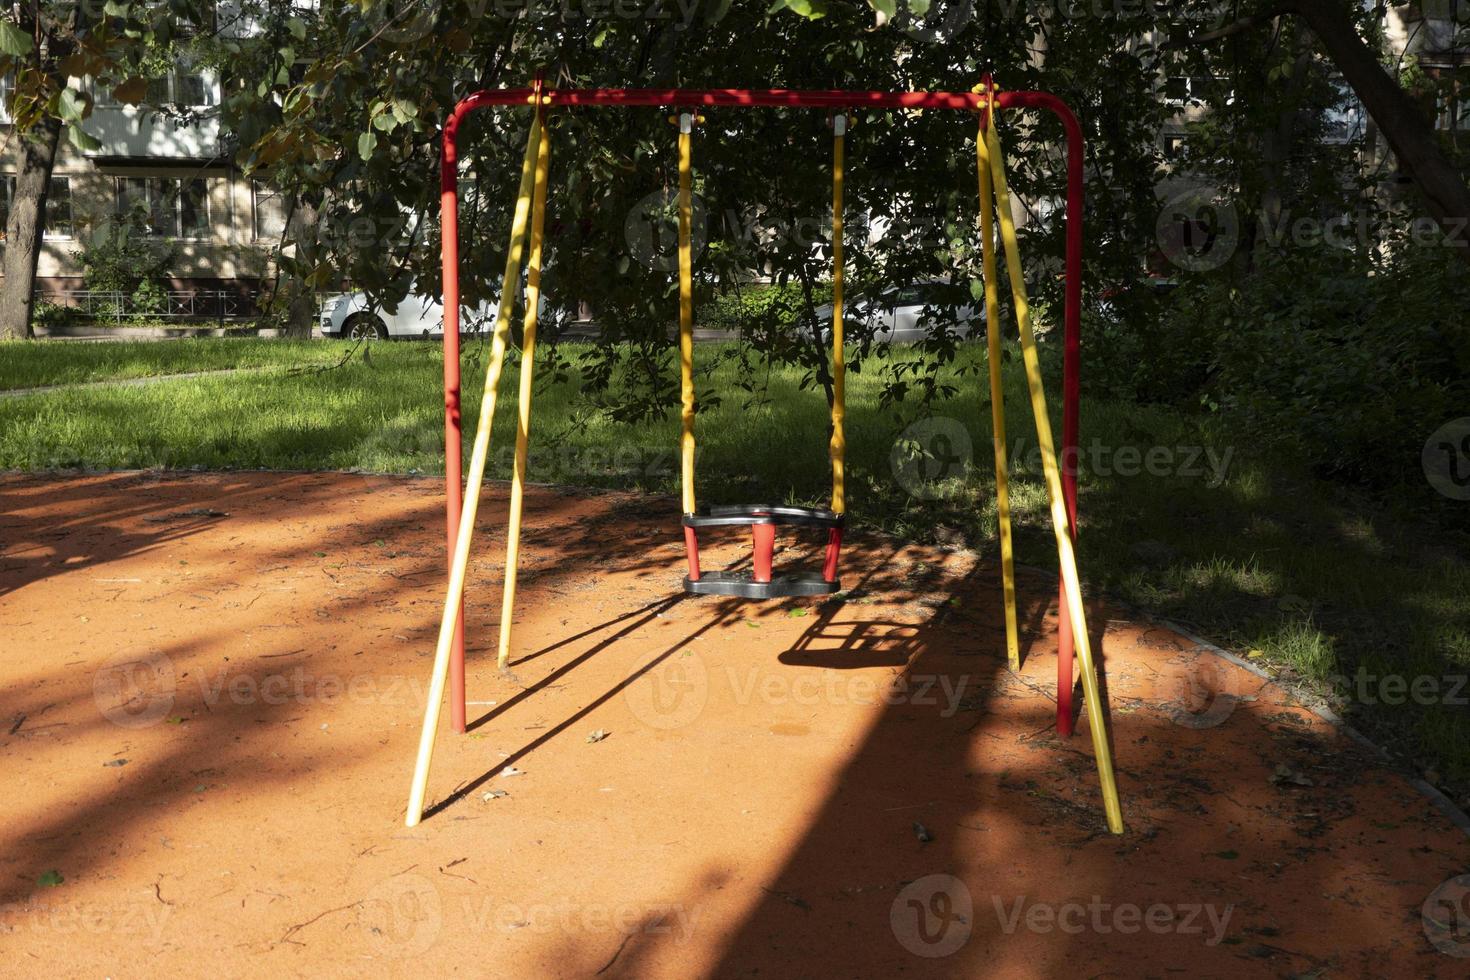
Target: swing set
x=986 y=102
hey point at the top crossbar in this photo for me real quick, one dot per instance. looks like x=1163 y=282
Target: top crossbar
x=767 y=98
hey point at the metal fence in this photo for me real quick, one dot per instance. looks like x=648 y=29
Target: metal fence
x=184 y=304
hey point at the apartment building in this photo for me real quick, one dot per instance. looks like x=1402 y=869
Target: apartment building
x=219 y=225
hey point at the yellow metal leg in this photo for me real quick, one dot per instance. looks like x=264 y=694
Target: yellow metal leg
x=475 y=479
x=839 y=362
x=523 y=420
x=1096 y=723
x=686 y=313
x=998 y=409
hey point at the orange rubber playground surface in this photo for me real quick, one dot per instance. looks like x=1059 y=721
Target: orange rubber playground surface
x=213 y=685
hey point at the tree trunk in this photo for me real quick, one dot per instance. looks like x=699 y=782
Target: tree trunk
x=1401 y=120
x=300 y=298
x=27 y=224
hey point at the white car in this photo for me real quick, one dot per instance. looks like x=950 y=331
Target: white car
x=896 y=315
x=350 y=316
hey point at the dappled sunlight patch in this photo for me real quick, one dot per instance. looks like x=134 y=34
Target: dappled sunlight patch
x=1224 y=579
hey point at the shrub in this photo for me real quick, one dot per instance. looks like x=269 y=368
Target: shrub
x=148 y=299
x=1345 y=360
x=1348 y=366
x=118 y=257
x=764 y=306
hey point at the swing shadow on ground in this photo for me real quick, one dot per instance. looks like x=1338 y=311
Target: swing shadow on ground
x=941 y=643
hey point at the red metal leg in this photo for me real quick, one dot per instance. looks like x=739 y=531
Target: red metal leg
x=764 y=536
x=691 y=551
x=1071 y=397
x=834 y=548
x=453 y=479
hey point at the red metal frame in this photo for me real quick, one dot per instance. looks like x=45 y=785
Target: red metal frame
x=750 y=98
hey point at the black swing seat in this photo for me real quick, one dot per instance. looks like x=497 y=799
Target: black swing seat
x=736 y=514
x=746 y=584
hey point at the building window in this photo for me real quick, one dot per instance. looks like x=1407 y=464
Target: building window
x=193 y=90
x=58 y=208
x=1176 y=148
x=269 y=212
x=58 y=223
x=187 y=89
x=1454 y=110
x=165 y=207
x=1195 y=90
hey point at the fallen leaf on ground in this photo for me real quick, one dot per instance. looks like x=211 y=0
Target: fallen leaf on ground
x=597 y=736
x=1285 y=774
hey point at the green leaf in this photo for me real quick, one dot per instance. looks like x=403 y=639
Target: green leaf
x=297 y=27
x=13 y=41
x=405 y=110
x=71 y=105
x=918 y=7
x=82 y=139
x=888 y=8
x=50 y=879
x=810 y=9
x=366 y=144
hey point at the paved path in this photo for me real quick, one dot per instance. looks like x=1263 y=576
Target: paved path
x=128 y=382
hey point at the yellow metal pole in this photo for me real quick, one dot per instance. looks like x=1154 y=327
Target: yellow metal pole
x=839 y=363
x=523 y=419
x=475 y=479
x=1065 y=553
x=997 y=405
x=686 y=312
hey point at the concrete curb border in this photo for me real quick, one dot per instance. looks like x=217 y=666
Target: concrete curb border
x=1441 y=802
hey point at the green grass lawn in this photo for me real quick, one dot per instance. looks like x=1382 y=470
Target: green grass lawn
x=1310 y=579
x=26 y=364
